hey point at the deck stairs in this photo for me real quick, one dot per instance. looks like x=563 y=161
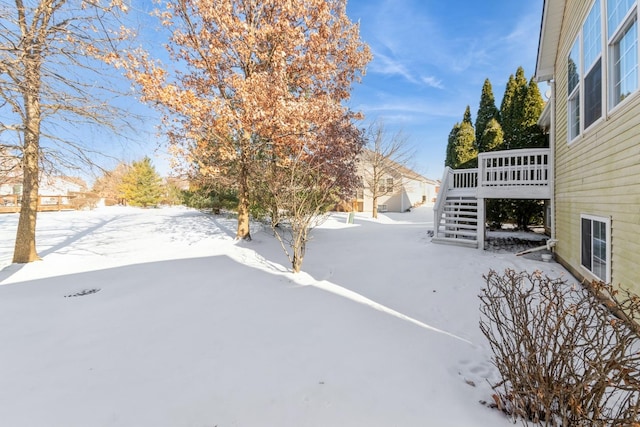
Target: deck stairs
x=458 y=223
x=459 y=209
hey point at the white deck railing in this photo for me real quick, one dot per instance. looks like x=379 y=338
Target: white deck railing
x=456 y=179
x=514 y=168
x=509 y=174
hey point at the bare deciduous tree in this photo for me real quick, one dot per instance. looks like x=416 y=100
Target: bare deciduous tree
x=50 y=74
x=304 y=184
x=107 y=186
x=384 y=162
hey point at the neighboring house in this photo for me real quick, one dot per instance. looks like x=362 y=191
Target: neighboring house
x=399 y=188
x=10 y=173
x=49 y=186
x=53 y=190
x=588 y=53
x=61 y=185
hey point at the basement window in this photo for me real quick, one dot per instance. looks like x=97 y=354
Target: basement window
x=596 y=246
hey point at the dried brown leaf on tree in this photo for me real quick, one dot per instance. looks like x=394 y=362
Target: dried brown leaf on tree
x=258 y=81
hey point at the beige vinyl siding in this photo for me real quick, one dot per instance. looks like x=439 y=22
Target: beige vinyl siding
x=598 y=173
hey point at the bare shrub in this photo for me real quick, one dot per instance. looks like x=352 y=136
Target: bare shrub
x=81 y=201
x=563 y=357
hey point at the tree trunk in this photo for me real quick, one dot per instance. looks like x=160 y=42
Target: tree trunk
x=299 y=246
x=25 y=246
x=375 y=206
x=243 y=196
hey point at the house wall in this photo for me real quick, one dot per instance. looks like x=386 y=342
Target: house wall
x=418 y=190
x=410 y=194
x=599 y=172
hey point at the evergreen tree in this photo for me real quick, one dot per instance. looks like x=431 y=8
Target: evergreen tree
x=141 y=186
x=521 y=107
x=467 y=116
x=506 y=108
x=464 y=148
x=461 y=143
x=512 y=110
x=487 y=112
x=492 y=137
x=532 y=135
x=451 y=146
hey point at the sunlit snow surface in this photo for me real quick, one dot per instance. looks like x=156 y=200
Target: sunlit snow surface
x=152 y=318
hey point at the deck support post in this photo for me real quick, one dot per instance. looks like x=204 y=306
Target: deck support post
x=481 y=223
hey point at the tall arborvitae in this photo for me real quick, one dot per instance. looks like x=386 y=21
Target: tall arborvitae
x=467 y=116
x=451 y=146
x=487 y=111
x=533 y=136
x=506 y=109
x=461 y=143
x=492 y=138
x=465 y=149
x=520 y=110
x=511 y=110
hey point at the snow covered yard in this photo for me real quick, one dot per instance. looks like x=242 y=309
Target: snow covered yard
x=186 y=327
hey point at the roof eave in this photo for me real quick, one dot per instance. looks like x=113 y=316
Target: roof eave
x=550 y=27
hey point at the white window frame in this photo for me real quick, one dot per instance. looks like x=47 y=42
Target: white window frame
x=614 y=38
x=390 y=185
x=607 y=223
x=573 y=102
x=588 y=67
x=591 y=41
x=382 y=208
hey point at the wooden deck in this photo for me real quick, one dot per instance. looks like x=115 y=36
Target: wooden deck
x=10 y=203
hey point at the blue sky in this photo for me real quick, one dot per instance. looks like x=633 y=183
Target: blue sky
x=430 y=60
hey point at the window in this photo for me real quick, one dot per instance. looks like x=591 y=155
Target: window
x=385 y=185
x=574 y=90
x=623 y=48
x=593 y=94
x=606 y=47
x=382 y=208
x=596 y=246
x=592 y=39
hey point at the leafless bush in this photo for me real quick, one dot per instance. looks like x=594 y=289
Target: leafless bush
x=564 y=358
x=81 y=201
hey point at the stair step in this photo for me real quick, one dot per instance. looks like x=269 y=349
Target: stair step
x=456 y=242
x=470 y=203
x=468 y=214
x=462 y=233
x=458 y=221
x=462 y=226
x=455 y=218
x=460 y=209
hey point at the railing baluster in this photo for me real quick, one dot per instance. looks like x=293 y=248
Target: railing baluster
x=514 y=168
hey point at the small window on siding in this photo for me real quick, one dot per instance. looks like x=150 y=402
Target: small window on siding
x=596 y=246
